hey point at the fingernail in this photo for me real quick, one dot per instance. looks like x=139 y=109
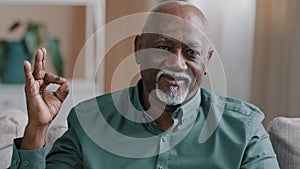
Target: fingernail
x=57 y=78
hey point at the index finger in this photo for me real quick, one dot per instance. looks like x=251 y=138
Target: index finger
x=39 y=64
x=63 y=90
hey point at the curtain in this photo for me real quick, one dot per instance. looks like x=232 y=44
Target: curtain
x=276 y=66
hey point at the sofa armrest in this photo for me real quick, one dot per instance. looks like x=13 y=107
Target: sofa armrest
x=285 y=136
x=12 y=125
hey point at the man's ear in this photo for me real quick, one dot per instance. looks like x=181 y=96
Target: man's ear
x=137 y=47
x=210 y=53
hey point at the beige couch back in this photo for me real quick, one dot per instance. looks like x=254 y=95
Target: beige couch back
x=285 y=136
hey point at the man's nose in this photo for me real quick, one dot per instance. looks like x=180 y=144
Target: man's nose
x=176 y=61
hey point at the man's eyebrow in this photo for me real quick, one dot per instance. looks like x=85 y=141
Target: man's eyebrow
x=163 y=39
x=170 y=40
x=194 y=44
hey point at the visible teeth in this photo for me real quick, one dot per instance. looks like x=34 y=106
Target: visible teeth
x=174 y=75
x=173 y=88
x=159 y=74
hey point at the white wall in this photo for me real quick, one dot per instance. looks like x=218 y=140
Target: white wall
x=232 y=25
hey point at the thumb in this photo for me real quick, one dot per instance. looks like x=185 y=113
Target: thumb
x=28 y=75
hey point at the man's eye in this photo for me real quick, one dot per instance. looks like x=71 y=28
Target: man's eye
x=191 y=53
x=164 y=48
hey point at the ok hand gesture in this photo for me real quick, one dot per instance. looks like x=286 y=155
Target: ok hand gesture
x=42 y=105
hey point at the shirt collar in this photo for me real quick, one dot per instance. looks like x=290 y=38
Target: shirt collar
x=138 y=90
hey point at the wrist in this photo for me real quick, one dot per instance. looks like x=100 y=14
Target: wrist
x=34 y=137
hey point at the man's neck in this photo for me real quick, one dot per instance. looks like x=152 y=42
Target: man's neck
x=159 y=111
x=165 y=121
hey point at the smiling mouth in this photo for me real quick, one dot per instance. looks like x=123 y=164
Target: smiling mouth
x=173 y=80
x=172 y=86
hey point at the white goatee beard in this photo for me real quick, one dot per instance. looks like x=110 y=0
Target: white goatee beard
x=173 y=97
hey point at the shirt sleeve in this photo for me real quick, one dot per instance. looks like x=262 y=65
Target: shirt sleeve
x=27 y=159
x=259 y=153
x=65 y=153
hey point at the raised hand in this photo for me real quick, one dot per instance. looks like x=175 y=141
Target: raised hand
x=42 y=105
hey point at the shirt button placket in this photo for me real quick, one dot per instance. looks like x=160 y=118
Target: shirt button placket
x=163 y=156
x=182 y=121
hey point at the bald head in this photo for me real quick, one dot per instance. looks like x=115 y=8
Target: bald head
x=174 y=39
x=186 y=11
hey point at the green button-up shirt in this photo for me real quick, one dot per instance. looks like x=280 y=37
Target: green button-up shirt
x=113 y=131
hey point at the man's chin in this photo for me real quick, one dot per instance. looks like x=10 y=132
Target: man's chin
x=170 y=99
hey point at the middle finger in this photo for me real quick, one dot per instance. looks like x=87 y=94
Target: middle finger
x=39 y=64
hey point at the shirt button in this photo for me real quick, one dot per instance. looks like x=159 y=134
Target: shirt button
x=164 y=138
x=25 y=163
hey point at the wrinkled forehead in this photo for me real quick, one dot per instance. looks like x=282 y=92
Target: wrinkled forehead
x=190 y=30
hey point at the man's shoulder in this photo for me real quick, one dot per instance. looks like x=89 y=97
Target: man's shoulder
x=231 y=106
x=234 y=118
x=97 y=107
x=104 y=101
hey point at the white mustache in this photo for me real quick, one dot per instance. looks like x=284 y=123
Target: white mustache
x=175 y=75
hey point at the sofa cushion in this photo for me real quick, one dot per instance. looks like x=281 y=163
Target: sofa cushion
x=12 y=125
x=56 y=129
x=285 y=136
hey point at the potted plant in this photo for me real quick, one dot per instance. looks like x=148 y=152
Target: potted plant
x=13 y=53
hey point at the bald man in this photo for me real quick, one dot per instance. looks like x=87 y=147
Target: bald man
x=166 y=121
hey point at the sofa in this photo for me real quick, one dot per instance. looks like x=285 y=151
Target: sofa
x=12 y=125
x=284 y=134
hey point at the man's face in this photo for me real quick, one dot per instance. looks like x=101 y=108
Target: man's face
x=175 y=68
x=172 y=61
